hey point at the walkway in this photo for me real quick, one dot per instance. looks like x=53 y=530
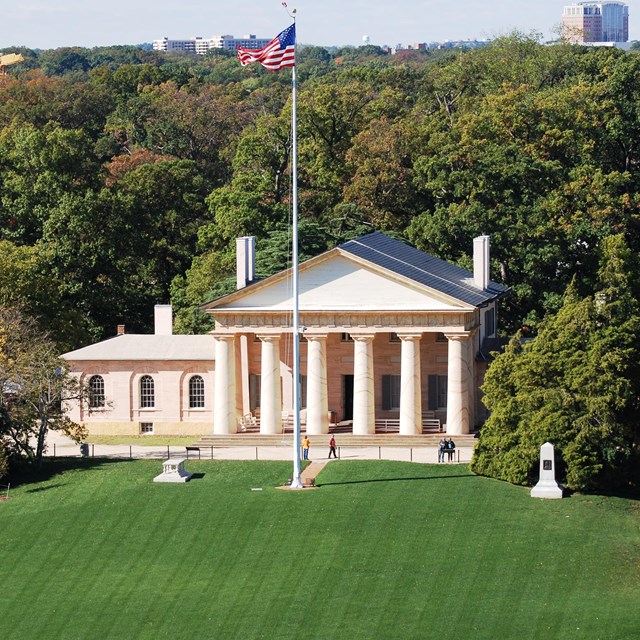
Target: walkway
x=309 y=475
x=278 y=449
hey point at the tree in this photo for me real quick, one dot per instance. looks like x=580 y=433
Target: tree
x=576 y=385
x=34 y=382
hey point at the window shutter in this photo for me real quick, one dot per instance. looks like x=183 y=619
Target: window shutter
x=386 y=393
x=433 y=393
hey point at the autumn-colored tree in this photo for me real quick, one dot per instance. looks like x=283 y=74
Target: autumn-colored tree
x=34 y=383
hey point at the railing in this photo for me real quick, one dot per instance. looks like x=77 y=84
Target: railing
x=392 y=425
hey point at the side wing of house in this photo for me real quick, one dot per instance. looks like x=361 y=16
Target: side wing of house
x=145 y=384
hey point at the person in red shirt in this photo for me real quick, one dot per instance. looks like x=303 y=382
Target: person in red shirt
x=332 y=447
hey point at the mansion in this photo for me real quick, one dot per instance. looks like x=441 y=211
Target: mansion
x=391 y=339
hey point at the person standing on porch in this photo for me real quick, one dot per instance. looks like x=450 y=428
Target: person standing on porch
x=306 y=443
x=332 y=447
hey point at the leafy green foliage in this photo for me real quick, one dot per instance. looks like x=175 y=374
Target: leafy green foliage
x=130 y=170
x=576 y=385
x=33 y=385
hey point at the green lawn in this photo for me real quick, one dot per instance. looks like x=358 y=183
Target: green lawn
x=380 y=550
x=148 y=440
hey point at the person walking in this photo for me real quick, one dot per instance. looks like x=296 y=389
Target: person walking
x=332 y=447
x=442 y=445
x=305 y=448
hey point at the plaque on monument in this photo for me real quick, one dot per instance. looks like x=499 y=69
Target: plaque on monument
x=547 y=486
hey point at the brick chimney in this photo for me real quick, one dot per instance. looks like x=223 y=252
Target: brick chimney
x=120 y=330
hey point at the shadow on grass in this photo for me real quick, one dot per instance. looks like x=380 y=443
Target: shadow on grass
x=197 y=476
x=41 y=489
x=25 y=473
x=423 y=478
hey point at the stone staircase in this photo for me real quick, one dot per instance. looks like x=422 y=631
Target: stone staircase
x=342 y=440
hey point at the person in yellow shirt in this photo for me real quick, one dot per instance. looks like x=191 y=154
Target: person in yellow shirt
x=305 y=448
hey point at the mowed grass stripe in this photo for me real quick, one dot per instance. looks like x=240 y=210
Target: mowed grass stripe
x=380 y=550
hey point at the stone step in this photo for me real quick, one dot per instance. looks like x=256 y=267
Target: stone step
x=342 y=440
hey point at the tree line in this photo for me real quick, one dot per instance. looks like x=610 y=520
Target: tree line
x=125 y=174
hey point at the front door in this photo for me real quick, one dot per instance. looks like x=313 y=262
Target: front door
x=347 y=397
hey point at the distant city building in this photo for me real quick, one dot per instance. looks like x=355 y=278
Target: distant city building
x=585 y=22
x=201 y=46
x=425 y=46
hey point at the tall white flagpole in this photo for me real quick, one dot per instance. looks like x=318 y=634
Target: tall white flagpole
x=296 y=483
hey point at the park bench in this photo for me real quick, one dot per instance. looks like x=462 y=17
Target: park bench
x=193 y=449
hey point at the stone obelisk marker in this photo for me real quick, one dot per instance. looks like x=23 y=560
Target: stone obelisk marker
x=547 y=486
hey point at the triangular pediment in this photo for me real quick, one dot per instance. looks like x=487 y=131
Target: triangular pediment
x=338 y=281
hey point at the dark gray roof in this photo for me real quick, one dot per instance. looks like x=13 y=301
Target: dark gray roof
x=421 y=267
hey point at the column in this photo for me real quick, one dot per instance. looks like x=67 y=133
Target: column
x=410 y=385
x=317 y=398
x=270 y=392
x=471 y=377
x=458 y=385
x=225 y=418
x=363 y=396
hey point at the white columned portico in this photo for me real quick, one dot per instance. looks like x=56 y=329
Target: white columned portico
x=317 y=398
x=363 y=393
x=458 y=384
x=410 y=385
x=225 y=419
x=270 y=393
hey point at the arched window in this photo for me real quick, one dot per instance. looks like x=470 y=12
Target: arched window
x=196 y=392
x=147 y=393
x=96 y=392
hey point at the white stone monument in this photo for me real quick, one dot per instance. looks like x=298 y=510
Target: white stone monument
x=547 y=486
x=173 y=471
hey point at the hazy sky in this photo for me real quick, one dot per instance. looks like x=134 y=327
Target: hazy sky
x=60 y=23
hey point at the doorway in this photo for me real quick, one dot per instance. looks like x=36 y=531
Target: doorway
x=347 y=397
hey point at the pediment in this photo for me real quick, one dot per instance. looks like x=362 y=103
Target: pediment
x=340 y=283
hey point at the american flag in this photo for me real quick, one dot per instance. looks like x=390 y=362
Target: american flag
x=279 y=53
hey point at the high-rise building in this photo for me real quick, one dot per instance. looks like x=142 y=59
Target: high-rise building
x=200 y=45
x=584 y=22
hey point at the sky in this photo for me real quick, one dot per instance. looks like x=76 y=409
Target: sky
x=48 y=24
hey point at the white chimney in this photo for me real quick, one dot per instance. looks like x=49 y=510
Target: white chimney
x=481 y=262
x=163 y=320
x=245 y=260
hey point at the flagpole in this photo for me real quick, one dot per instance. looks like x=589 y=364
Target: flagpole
x=277 y=54
x=296 y=482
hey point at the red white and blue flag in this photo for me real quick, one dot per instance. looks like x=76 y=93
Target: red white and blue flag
x=279 y=53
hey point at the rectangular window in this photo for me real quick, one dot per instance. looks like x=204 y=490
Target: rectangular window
x=345 y=337
x=437 y=392
x=440 y=337
x=390 y=392
x=146 y=427
x=394 y=337
x=490 y=322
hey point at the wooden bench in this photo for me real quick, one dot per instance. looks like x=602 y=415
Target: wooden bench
x=431 y=424
x=387 y=425
x=392 y=425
